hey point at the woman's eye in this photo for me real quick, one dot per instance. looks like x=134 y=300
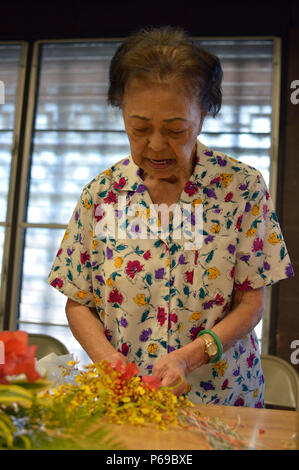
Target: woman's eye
x=140 y=129
x=176 y=132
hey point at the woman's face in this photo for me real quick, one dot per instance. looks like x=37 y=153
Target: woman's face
x=162 y=123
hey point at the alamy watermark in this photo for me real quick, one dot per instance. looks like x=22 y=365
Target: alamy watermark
x=294 y=358
x=2 y=92
x=295 y=93
x=136 y=221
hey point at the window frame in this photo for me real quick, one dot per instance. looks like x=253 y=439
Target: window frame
x=15 y=242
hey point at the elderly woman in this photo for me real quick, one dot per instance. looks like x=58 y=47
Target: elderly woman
x=186 y=315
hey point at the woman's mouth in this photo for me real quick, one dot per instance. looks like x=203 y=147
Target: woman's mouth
x=165 y=163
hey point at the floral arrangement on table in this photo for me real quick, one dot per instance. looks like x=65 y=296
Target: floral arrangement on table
x=36 y=415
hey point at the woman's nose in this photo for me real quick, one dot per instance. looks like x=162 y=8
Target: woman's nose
x=157 y=142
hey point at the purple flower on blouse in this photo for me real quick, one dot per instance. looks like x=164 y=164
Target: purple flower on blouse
x=126 y=162
x=209 y=153
x=182 y=259
x=209 y=238
x=289 y=270
x=100 y=279
x=211 y=193
x=247 y=207
x=70 y=251
x=159 y=273
x=266 y=266
x=170 y=349
x=236 y=372
x=145 y=335
x=123 y=322
x=207 y=386
x=221 y=161
x=109 y=253
x=76 y=216
x=243 y=187
x=141 y=188
x=245 y=258
x=231 y=249
x=135 y=228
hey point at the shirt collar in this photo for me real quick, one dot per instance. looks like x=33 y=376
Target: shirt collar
x=208 y=167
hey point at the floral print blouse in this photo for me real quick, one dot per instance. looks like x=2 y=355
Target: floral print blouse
x=154 y=294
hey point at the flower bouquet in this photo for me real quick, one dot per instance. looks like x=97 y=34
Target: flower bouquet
x=76 y=414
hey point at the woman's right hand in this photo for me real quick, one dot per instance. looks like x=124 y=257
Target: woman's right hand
x=117 y=356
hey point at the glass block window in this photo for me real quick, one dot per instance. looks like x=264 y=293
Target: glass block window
x=10 y=56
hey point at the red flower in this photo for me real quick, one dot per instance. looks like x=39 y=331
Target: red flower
x=124 y=349
x=115 y=297
x=215 y=180
x=161 y=316
x=257 y=245
x=84 y=257
x=246 y=285
x=98 y=212
x=189 y=276
x=250 y=360
x=119 y=185
x=133 y=267
x=224 y=385
x=239 y=222
x=151 y=381
x=59 y=252
x=173 y=318
x=191 y=188
x=228 y=197
x=219 y=299
x=57 y=283
x=147 y=255
x=110 y=198
x=19 y=357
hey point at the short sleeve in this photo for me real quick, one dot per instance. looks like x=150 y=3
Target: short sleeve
x=262 y=258
x=71 y=272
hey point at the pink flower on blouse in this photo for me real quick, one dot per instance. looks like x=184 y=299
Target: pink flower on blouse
x=84 y=257
x=161 y=316
x=115 y=297
x=190 y=188
x=257 y=245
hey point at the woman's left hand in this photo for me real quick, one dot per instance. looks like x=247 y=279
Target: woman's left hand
x=172 y=369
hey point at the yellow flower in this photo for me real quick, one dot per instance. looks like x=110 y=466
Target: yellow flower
x=95 y=244
x=81 y=294
x=140 y=300
x=216 y=228
x=118 y=262
x=226 y=179
x=87 y=204
x=109 y=282
x=152 y=348
x=273 y=239
x=107 y=172
x=233 y=159
x=255 y=393
x=97 y=299
x=196 y=201
x=220 y=367
x=250 y=232
x=195 y=316
x=255 y=209
x=213 y=273
x=167 y=261
x=66 y=234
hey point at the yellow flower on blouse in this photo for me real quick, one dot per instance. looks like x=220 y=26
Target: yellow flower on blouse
x=195 y=316
x=256 y=392
x=197 y=201
x=118 y=262
x=81 y=294
x=107 y=172
x=273 y=239
x=152 y=348
x=213 y=273
x=216 y=228
x=97 y=299
x=226 y=179
x=87 y=204
x=95 y=244
x=250 y=232
x=109 y=282
x=255 y=209
x=220 y=367
x=140 y=300
x=66 y=234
